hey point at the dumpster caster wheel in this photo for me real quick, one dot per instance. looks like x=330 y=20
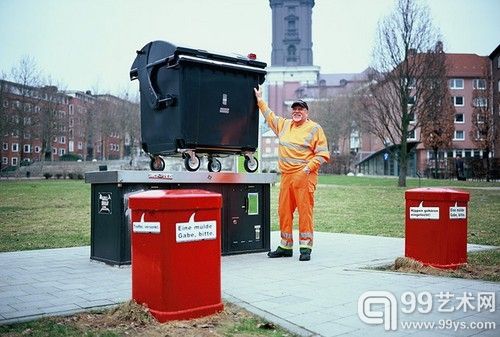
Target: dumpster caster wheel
x=192 y=163
x=214 y=165
x=157 y=164
x=251 y=164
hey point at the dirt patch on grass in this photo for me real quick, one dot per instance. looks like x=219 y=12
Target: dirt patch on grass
x=472 y=270
x=132 y=319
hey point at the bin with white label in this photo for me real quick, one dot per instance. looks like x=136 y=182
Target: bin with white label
x=436 y=226
x=176 y=258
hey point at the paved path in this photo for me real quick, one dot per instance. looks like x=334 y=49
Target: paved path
x=315 y=298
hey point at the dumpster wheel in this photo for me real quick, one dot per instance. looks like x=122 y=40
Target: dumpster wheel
x=157 y=163
x=214 y=165
x=192 y=162
x=251 y=164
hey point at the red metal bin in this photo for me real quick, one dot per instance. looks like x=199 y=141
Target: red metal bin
x=436 y=226
x=176 y=261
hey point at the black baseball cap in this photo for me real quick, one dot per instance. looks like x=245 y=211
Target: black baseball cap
x=300 y=103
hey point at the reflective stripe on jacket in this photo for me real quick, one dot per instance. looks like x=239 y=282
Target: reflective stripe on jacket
x=298 y=145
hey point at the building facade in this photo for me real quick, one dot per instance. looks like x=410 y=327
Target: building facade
x=495 y=92
x=293 y=75
x=43 y=123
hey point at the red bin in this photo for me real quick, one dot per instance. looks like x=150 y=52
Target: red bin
x=436 y=226
x=176 y=259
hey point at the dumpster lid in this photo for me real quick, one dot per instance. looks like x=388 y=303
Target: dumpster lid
x=175 y=200
x=436 y=194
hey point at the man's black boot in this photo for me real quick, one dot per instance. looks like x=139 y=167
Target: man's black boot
x=305 y=254
x=280 y=252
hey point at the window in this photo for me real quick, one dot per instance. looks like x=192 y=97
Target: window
x=481 y=135
x=459 y=118
x=268 y=140
x=54 y=150
x=411 y=100
x=479 y=84
x=412 y=83
x=268 y=150
x=5 y=103
x=80 y=145
x=276 y=141
x=71 y=111
x=459 y=135
x=458 y=100
x=411 y=135
x=27 y=148
x=37 y=149
x=456 y=83
x=5 y=160
x=480 y=102
x=62 y=152
x=5 y=146
x=411 y=115
x=481 y=118
x=499 y=83
x=62 y=140
x=15 y=147
x=291 y=53
x=14 y=161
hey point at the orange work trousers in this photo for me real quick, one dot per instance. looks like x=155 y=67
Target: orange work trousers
x=297 y=192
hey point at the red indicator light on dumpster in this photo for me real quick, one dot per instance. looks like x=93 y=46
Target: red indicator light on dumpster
x=252 y=56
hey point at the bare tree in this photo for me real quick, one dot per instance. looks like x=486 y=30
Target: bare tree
x=129 y=122
x=49 y=119
x=483 y=131
x=402 y=75
x=437 y=117
x=27 y=77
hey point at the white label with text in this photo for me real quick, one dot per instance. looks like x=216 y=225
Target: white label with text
x=195 y=230
x=424 y=213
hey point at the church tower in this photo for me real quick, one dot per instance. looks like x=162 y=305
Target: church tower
x=292 y=34
x=291 y=57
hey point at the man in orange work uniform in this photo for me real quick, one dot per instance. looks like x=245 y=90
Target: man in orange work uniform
x=302 y=149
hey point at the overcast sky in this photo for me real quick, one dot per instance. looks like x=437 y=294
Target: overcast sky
x=91 y=44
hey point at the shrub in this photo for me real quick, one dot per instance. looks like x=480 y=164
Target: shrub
x=72 y=175
x=47 y=175
x=80 y=176
x=70 y=157
x=59 y=175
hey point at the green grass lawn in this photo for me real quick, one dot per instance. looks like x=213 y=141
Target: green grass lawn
x=44 y=214
x=56 y=213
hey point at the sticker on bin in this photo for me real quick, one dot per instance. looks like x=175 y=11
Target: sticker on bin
x=195 y=230
x=424 y=213
x=146 y=226
x=458 y=212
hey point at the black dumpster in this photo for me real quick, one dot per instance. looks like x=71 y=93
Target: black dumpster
x=194 y=102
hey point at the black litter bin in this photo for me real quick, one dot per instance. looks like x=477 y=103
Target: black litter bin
x=194 y=102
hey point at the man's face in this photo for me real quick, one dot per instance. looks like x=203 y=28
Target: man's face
x=299 y=114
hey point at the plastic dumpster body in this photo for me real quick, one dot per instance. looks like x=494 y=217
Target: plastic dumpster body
x=196 y=102
x=436 y=226
x=176 y=260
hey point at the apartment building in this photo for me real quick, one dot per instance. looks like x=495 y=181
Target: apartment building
x=43 y=123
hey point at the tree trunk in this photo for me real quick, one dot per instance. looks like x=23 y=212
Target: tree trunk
x=403 y=164
x=436 y=164
x=487 y=154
